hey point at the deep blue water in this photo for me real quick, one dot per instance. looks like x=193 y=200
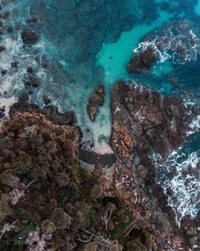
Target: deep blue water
x=88 y=42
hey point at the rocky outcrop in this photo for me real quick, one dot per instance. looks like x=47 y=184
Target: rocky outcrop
x=143 y=121
x=51 y=112
x=96 y=99
x=142 y=60
x=176 y=41
x=29 y=37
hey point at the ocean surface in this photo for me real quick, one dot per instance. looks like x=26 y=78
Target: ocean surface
x=84 y=43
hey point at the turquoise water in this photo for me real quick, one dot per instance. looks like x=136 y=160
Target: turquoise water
x=86 y=43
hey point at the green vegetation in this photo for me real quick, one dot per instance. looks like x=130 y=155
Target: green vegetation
x=49 y=201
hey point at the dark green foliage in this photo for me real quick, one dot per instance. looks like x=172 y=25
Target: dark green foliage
x=60 y=196
x=58 y=131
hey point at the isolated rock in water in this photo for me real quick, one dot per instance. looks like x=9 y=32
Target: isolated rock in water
x=92 y=110
x=142 y=119
x=46 y=99
x=142 y=60
x=29 y=37
x=2 y=48
x=96 y=99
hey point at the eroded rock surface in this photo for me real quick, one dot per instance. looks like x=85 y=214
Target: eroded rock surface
x=142 y=60
x=29 y=37
x=176 y=41
x=143 y=120
x=96 y=99
x=51 y=112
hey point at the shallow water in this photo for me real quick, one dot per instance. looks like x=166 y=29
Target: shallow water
x=85 y=43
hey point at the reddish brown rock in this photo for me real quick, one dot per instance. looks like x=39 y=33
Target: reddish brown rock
x=96 y=99
x=142 y=120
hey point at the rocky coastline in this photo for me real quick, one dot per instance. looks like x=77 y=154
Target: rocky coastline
x=142 y=121
x=47 y=198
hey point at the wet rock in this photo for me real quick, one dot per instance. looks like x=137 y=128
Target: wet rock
x=140 y=119
x=29 y=69
x=31 y=80
x=10 y=29
x=66 y=118
x=91 y=110
x=142 y=60
x=1 y=24
x=32 y=20
x=35 y=82
x=14 y=64
x=3 y=72
x=23 y=98
x=100 y=89
x=51 y=112
x=2 y=48
x=179 y=45
x=96 y=99
x=27 y=84
x=29 y=37
x=46 y=99
x=6 y=14
x=44 y=62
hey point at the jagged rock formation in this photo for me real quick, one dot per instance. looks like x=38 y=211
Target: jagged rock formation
x=51 y=112
x=143 y=120
x=142 y=60
x=175 y=41
x=96 y=99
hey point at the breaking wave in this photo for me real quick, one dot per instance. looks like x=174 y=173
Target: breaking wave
x=177 y=48
x=179 y=175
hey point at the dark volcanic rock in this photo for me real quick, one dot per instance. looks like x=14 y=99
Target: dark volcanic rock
x=142 y=60
x=142 y=119
x=96 y=99
x=29 y=37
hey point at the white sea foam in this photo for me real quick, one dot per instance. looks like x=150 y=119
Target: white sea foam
x=169 y=45
x=184 y=183
x=6 y=103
